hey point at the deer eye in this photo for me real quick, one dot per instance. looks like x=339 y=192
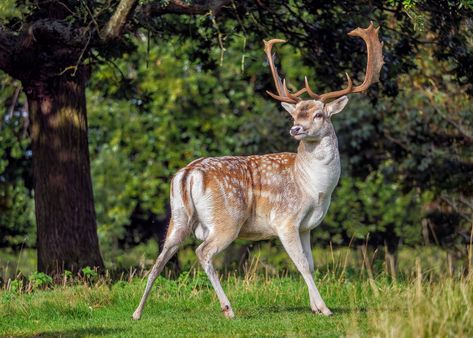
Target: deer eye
x=318 y=116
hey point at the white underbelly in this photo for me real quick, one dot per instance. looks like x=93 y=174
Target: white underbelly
x=257 y=229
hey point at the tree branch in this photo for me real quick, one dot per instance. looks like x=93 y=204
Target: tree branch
x=114 y=26
x=182 y=7
x=73 y=40
x=126 y=8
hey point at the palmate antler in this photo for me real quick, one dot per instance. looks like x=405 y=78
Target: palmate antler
x=373 y=67
x=283 y=93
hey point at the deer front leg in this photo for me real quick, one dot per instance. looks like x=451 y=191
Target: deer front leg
x=305 y=240
x=291 y=240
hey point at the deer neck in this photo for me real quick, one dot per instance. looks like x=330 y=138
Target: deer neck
x=317 y=166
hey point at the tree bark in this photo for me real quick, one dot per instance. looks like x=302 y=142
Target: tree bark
x=64 y=203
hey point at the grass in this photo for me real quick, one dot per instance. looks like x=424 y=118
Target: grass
x=264 y=306
x=426 y=296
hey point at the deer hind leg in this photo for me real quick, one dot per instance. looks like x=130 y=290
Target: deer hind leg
x=215 y=243
x=176 y=234
x=291 y=240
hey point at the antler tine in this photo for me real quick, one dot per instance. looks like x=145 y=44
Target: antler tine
x=281 y=98
x=374 y=64
x=300 y=92
x=290 y=95
x=309 y=91
x=338 y=93
x=374 y=50
x=283 y=93
x=290 y=98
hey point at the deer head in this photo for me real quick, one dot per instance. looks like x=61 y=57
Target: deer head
x=312 y=117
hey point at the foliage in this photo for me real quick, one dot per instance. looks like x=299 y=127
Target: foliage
x=89 y=273
x=39 y=280
x=16 y=285
x=374 y=210
x=9 y=9
x=383 y=190
x=175 y=112
x=16 y=206
x=179 y=88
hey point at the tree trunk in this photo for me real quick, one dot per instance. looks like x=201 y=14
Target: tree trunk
x=64 y=203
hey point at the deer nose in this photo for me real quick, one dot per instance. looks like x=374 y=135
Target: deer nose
x=295 y=130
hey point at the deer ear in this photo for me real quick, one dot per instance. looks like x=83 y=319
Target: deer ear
x=336 y=106
x=289 y=107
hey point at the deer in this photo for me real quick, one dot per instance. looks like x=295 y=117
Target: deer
x=258 y=197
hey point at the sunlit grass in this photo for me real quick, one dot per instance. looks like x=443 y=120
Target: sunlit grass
x=417 y=306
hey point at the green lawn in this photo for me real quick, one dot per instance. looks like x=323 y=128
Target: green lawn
x=263 y=306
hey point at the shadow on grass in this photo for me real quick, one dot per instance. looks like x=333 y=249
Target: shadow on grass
x=305 y=310
x=348 y=310
x=80 y=332
x=292 y=309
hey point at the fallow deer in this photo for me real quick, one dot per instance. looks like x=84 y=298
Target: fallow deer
x=283 y=195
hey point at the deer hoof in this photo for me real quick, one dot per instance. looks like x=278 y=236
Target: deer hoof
x=326 y=311
x=136 y=315
x=228 y=312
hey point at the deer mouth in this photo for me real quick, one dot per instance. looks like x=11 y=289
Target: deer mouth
x=300 y=136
